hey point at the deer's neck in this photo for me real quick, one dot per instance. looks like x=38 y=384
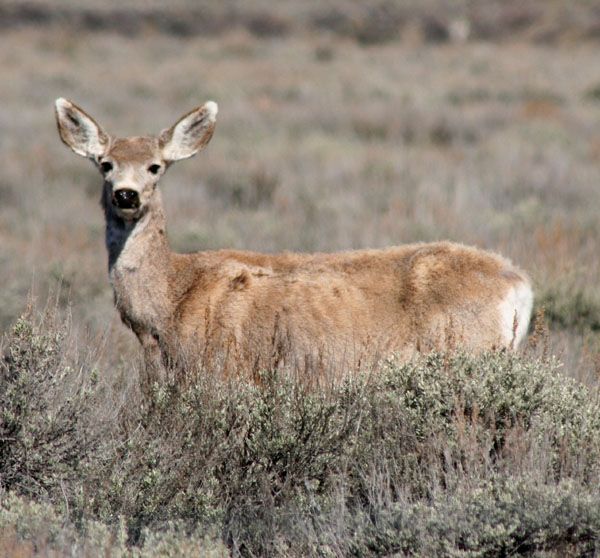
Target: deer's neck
x=139 y=264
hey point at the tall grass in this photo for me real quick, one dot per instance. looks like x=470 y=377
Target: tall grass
x=476 y=143
x=449 y=455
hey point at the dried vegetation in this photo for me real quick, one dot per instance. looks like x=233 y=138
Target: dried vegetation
x=341 y=126
x=449 y=455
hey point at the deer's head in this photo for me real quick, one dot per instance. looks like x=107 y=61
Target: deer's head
x=132 y=166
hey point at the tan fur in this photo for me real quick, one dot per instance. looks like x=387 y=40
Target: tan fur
x=252 y=310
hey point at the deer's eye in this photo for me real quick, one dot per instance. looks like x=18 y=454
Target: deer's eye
x=154 y=169
x=106 y=167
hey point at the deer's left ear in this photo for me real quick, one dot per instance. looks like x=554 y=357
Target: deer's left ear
x=190 y=134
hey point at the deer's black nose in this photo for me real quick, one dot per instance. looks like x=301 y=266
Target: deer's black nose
x=126 y=199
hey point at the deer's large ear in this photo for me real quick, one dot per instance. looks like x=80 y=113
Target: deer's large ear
x=79 y=130
x=191 y=133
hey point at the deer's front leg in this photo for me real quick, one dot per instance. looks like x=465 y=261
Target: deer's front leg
x=154 y=366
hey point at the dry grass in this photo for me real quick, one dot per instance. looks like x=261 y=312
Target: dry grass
x=379 y=21
x=449 y=455
x=326 y=140
x=322 y=144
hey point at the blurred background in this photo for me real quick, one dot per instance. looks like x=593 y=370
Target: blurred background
x=342 y=125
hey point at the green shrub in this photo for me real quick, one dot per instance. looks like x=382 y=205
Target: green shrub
x=571 y=308
x=263 y=461
x=502 y=516
x=44 y=404
x=29 y=528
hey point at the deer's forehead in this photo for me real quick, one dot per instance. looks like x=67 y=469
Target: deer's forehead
x=134 y=150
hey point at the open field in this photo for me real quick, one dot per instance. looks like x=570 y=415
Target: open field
x=326 y=140
x=322 y=144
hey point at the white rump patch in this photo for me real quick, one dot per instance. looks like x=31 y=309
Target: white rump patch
x=515 y=313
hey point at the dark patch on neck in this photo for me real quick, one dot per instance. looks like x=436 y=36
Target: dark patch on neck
x=117 y=233
x=117 y=229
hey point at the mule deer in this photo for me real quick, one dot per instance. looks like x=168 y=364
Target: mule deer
x=403 y=299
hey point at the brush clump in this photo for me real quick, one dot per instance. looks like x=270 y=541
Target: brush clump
x=450 y=454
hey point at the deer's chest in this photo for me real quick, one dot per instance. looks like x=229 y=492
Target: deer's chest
x=140 y=292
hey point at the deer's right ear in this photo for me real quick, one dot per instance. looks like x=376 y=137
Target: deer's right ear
x=79 y=130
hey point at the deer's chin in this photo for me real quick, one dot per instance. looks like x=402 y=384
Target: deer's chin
x=132 y=214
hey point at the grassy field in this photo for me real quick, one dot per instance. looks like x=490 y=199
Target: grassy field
x=338 y=128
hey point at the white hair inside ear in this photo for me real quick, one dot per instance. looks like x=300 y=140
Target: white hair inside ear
x=79 y=130
x=190 y=134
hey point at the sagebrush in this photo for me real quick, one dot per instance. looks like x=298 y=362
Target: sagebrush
x=451 y=455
